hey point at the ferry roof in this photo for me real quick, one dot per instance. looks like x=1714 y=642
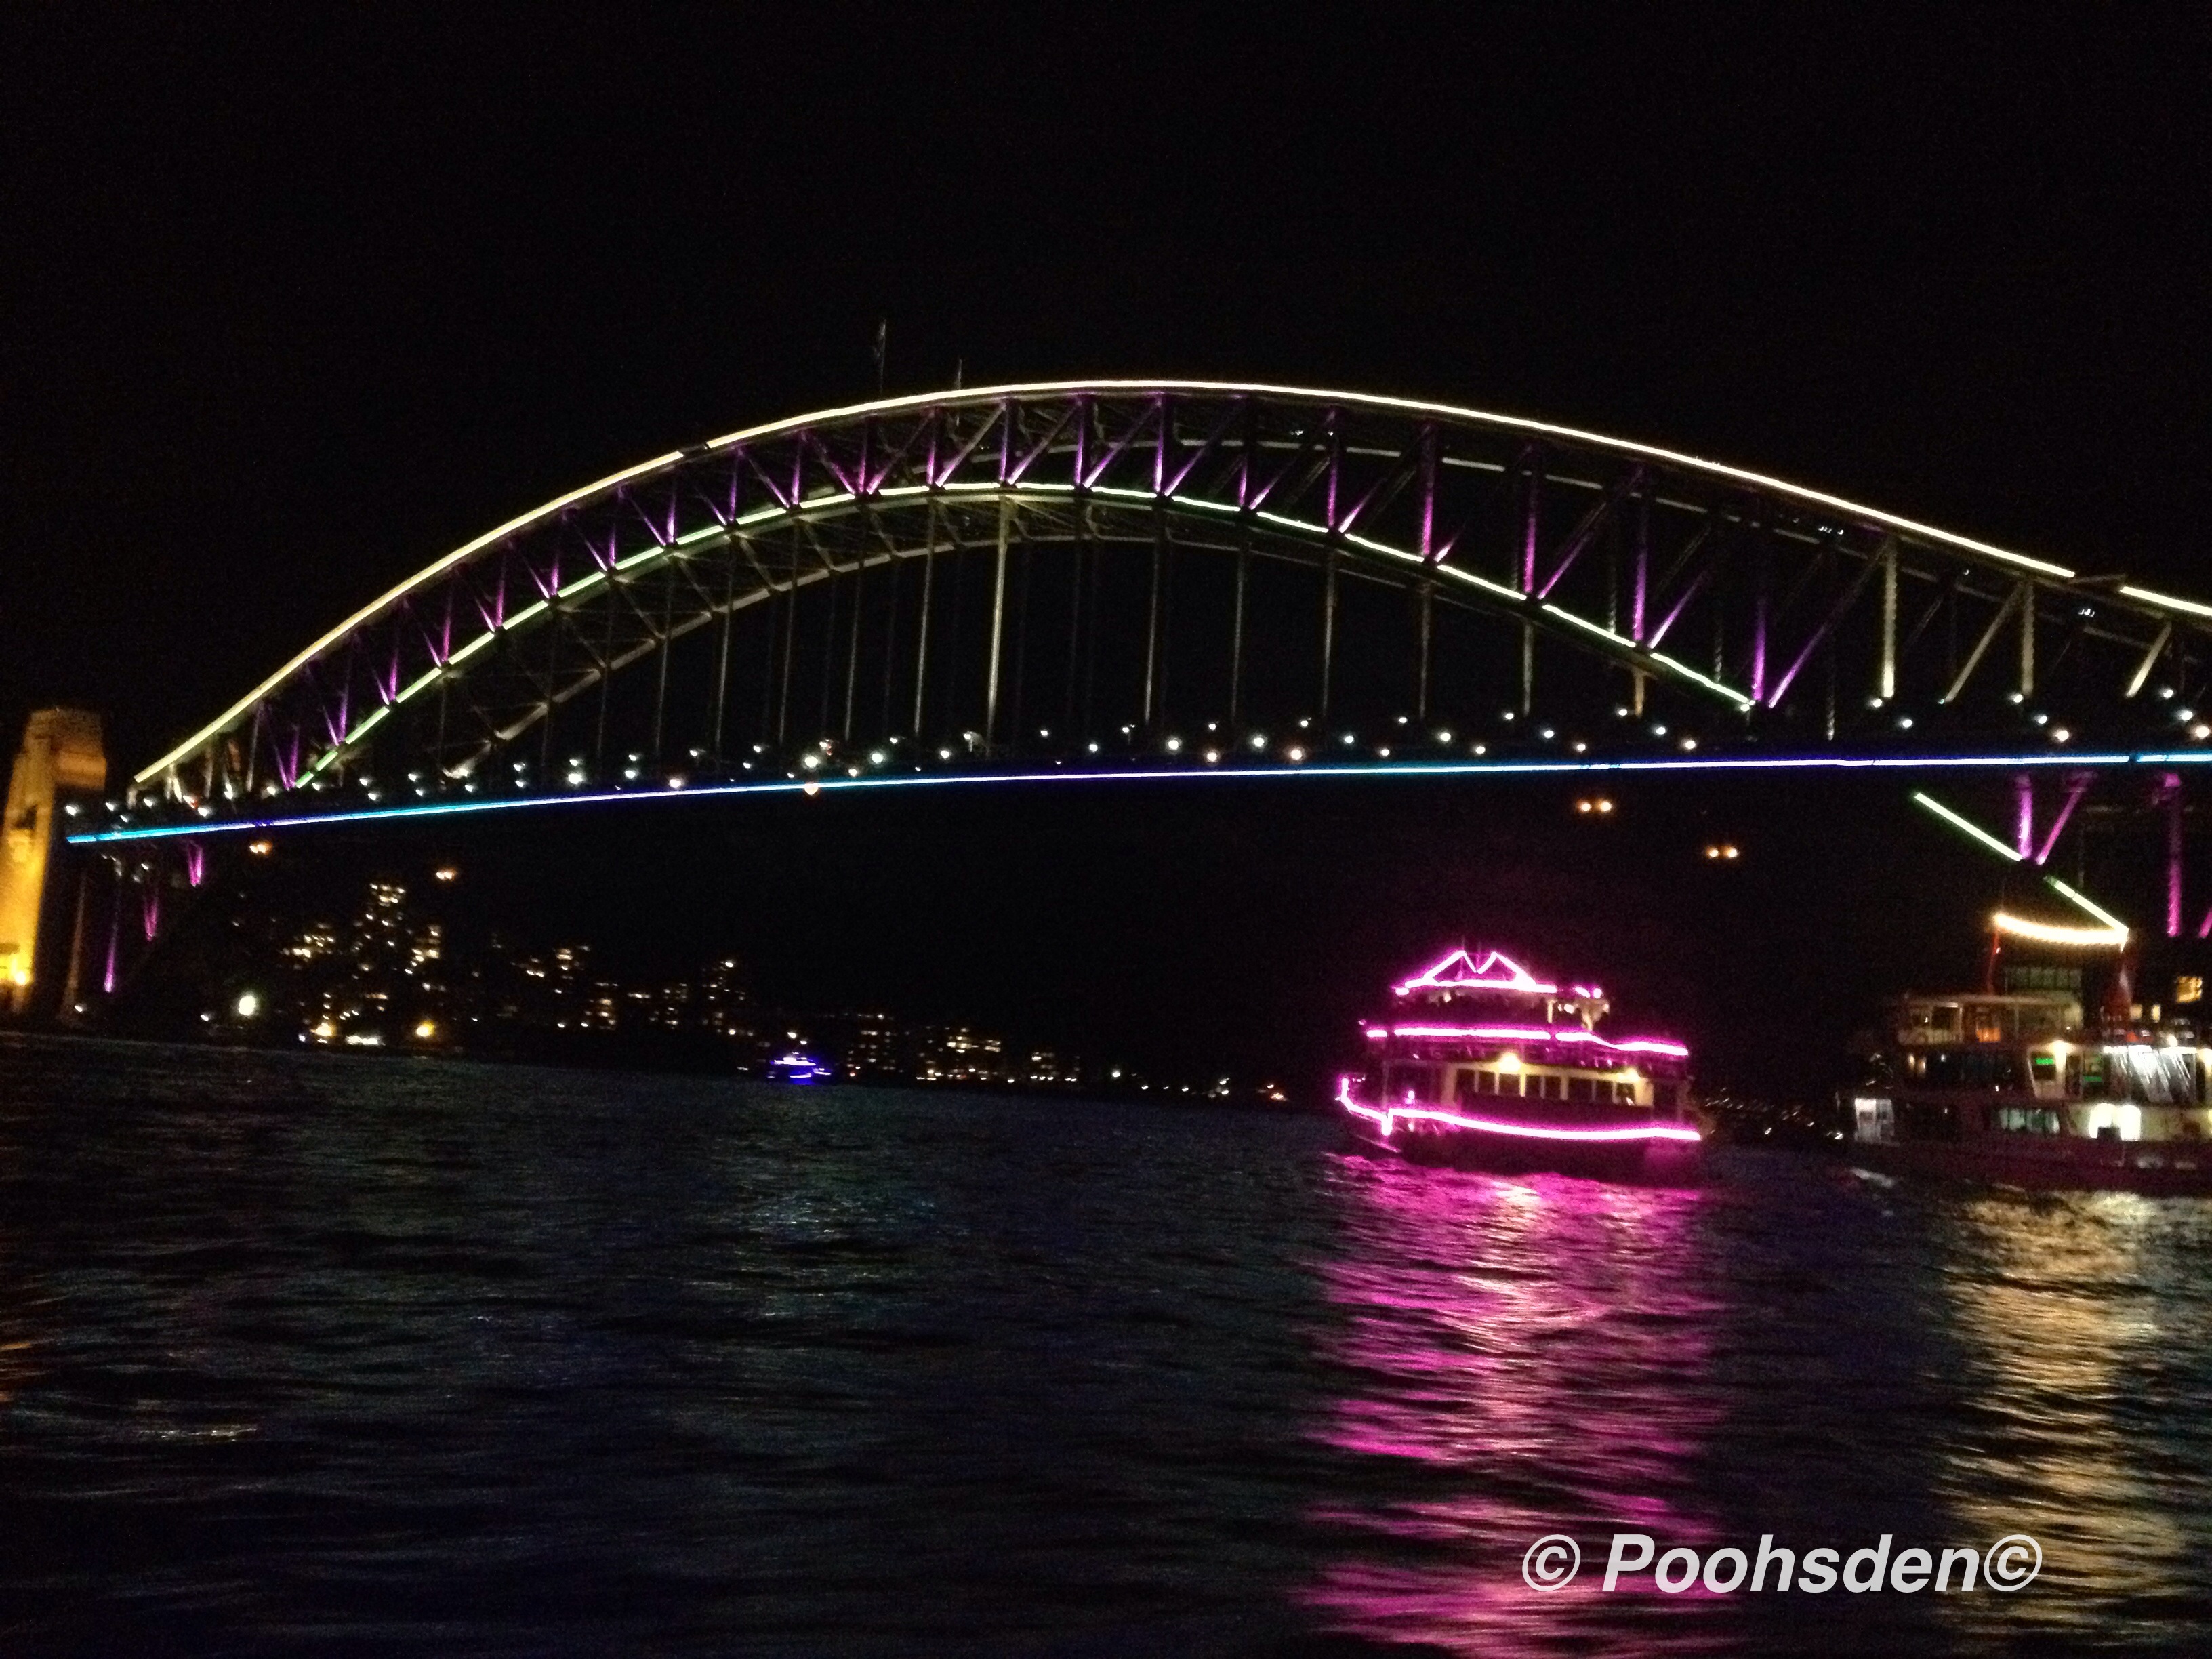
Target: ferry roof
x=1458 y=970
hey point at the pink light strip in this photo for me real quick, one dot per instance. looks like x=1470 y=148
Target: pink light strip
x=1534 y=1033
x=1517 y=977
x=1386 y=1118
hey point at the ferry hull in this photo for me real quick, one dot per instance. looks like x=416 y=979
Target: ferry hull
x=1639 y=1162
x=2050 y=1164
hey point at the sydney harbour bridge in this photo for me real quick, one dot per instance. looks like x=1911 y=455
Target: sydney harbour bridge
x=1177 y=581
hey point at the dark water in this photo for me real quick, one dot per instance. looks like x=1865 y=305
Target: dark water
x=355 y=1356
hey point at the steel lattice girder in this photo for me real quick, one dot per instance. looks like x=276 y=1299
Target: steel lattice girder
x=1707 y=581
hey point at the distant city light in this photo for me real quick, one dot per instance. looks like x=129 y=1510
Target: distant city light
x=261 y=849
x=1721 y=849
x=425 y=1029
x=447 y=872
x=249 y=1005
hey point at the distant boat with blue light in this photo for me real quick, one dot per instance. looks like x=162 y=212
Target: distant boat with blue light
x=1481 y=1064
x=800 y=1066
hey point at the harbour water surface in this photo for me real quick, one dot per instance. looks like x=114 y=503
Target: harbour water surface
x=312 y=1354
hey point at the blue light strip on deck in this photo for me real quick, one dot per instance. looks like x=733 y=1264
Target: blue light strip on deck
x=1156 y=774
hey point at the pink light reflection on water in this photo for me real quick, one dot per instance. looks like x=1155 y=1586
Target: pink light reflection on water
x=1525 y=1356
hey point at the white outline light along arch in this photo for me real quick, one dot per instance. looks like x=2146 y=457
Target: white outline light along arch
x=2023 y=564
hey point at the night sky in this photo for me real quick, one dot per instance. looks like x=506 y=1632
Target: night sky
x=291 y=302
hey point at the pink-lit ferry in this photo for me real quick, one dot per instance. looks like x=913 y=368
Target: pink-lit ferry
x=1482 y=1065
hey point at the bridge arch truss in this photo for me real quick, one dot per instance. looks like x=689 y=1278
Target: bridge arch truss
x=1182 y=574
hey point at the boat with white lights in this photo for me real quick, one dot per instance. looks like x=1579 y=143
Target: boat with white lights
x=2016 y=1087
x=1482 y=1064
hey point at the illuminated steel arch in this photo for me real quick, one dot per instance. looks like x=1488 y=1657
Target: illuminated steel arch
x=1180 y=573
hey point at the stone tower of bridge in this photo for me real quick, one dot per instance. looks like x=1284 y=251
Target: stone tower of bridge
x=61 y=756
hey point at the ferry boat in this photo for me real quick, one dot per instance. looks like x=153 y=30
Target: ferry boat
x=2017 y=1088
x=1482 y=1065
x=798 y=1066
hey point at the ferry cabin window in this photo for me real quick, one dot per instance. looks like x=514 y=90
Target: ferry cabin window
x=2043 y=1068
x=1509 y=1083
x=1417 y=1082
x=1931 y=1019
x=1578 y=1088
x=1970 y=1068
x=1662 y=1096
x=2028 y=1119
